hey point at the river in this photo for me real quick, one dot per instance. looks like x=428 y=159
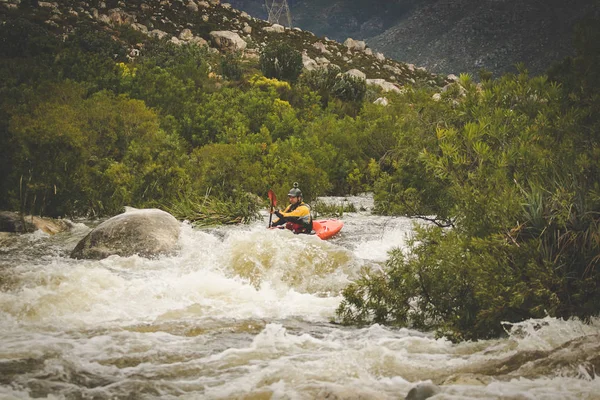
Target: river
x=245 y=313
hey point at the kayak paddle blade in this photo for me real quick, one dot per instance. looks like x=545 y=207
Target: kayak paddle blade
x=272 y=198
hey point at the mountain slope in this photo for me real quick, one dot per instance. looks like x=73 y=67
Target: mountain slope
x=448 y=36
x=193 y=21
x=466 y=35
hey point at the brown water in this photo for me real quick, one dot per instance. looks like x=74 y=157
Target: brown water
x=244 y=313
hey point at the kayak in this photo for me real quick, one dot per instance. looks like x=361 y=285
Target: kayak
x=327 y=228
x=323 y=228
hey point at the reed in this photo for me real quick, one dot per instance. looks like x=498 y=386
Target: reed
x=337 y=209
x=207 y=210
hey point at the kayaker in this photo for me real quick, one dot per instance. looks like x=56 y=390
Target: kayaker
x=296 y=216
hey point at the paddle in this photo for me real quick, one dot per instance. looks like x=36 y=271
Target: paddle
x=273 y=200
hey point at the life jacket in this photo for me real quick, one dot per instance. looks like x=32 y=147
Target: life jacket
x=299 y=224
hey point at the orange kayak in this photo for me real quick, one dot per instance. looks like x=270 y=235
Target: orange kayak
x=327 y=228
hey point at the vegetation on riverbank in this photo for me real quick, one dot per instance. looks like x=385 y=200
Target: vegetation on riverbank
x=509 y=167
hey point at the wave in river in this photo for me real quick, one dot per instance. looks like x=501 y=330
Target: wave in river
x=245 y=313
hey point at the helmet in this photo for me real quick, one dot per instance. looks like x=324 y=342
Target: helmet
x=295 y=192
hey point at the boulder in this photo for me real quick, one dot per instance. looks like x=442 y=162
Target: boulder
x=423 y=391
x=12 y=222
x=385 y=85
x=355 y=45
x=382 y=101
x=322 y=48
x=276 y=28
x=228 y=41
x=192 y=6
x=146 y=232
x=186 y=35
x=356 y=73
x=308 y=63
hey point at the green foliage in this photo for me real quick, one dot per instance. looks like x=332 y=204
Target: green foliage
x=22 y=38
x=330 y=82
x=321 y=209
x=524 y=208
x=280 y=60
x=506 y=170
x=210 y=211
x=349 y=88
x=231 y=67
x=79 y=155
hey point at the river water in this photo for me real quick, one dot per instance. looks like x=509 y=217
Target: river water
x=245 y=313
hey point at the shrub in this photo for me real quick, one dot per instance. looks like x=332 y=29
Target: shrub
x=349 y=88
x=280 y=60
x=231 y=67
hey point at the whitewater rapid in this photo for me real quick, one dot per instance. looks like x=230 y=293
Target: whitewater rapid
x=246 y=313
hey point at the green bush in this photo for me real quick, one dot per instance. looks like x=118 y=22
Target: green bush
x=349 y=88
x=524 y=237
x=231 y=67
x=280 y=60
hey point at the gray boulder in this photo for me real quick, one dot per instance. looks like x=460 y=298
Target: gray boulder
x=146 y=232
x=12 y=222
x=423 y=391
x=228 y=41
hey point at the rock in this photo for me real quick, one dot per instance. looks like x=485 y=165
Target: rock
x=382 y=101
x=247 y=29
x=252 y=54
x=45 y=4
x=203 y=4
x=276 y=28
x=120 y=17
x=192 y=6
x=12 y=222
x=198 y=41
x=436 y=97
x=393 y=69
x=385 y=85
x=423 y=391
x=157 y=33
x=357 y=73
x=355 y=45
x=322 y=48
x=140 y=28
x=186 y=35
x=146 y=232
x=309 y=63
x=228 y=41
x=322 y=61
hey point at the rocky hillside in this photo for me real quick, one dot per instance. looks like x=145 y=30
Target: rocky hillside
x=338 y=19
x=453 y=36
x=219 y=26
x=449 y=36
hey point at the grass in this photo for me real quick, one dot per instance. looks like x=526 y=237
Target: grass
x=323 y=209
x=204 y=211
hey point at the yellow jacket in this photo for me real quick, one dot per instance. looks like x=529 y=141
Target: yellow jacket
x=297 y=215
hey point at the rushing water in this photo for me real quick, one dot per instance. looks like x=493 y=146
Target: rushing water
x=245 y=313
